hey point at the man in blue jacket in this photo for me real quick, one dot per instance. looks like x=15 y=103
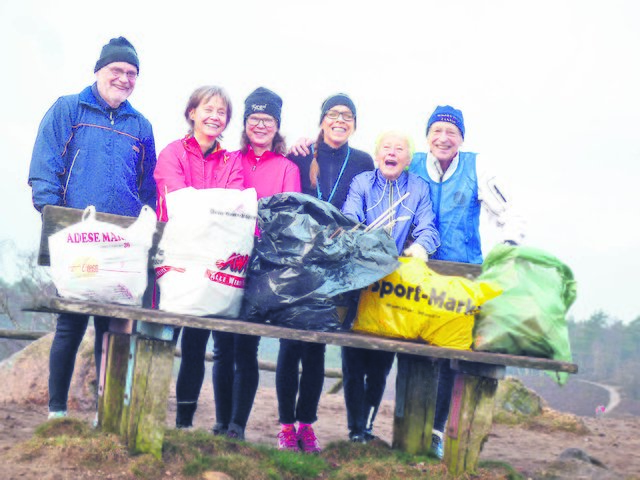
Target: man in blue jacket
x=92 y=148
x=459 y=185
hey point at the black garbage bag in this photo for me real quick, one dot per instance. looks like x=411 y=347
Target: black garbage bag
x=308 y=254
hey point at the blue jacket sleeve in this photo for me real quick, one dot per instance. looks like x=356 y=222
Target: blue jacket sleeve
x=354 y=205
x=147 y=184
x=48 y=161
x=425 y=232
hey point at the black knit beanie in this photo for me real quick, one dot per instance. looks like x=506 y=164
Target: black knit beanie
x=337 y=99
x=118 y=50
x=263 y=100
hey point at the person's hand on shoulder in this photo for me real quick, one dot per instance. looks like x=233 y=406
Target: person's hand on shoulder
x=301 y=147
x=417 y=251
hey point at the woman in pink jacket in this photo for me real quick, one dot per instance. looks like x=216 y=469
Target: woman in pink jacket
x=197 y=161
x=264 y=167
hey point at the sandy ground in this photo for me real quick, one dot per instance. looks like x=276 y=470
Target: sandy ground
x=612 y=439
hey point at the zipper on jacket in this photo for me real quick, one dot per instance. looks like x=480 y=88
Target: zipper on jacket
x=441 y=172
x=111 y=117
x=393 y=213
x=66 y=185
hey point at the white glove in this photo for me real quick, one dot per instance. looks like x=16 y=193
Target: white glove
x=417 y=251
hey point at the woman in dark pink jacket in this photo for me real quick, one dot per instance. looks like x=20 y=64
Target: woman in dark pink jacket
x=197 y=161
x=264 y=167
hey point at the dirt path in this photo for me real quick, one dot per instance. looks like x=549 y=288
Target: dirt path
x=614 y=396
x=613 y=440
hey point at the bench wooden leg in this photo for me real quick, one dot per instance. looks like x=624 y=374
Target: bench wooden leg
x=146 y=404
x=416 y=386
x=470 y=415
x=112 y=384
x=134 y=386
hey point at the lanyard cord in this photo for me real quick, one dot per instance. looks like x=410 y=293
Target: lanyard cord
x=335 y=185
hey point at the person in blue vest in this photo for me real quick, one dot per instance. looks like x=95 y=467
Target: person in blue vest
x=459 y=186
x=92 y=148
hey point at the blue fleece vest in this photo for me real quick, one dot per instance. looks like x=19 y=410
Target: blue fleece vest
x=457 y=209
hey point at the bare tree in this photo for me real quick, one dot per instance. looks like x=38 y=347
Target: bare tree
x=33 y=282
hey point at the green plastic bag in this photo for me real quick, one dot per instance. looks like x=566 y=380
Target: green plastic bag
x=529 y=317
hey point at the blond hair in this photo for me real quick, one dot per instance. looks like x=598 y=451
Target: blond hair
x=398 y=134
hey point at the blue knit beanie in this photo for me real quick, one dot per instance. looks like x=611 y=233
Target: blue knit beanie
x=447 y=114
x=263 y=100
x=118 y=50
x=337 y=99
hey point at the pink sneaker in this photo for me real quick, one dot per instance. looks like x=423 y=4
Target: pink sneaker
x=308 y=440
x=288 y=439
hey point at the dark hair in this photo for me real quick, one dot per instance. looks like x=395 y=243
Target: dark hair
x=204 y=94
x=314 y=168
x=278 y=145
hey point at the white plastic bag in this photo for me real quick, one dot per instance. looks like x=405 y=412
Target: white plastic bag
x=102 y=262
x=204 y=253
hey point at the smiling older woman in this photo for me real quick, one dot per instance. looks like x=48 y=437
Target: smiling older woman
x=411 y=222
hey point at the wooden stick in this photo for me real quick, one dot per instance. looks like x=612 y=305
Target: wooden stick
x=386 y=214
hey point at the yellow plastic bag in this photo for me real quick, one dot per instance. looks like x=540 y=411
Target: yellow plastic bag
x=415 y=302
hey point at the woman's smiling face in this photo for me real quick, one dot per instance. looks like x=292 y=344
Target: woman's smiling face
x=209 y=119
x=337 y=130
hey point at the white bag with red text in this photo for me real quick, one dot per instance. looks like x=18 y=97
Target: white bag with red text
x=103 y=262
x=204 y=253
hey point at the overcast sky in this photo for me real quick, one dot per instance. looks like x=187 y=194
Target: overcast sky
x=549 y=92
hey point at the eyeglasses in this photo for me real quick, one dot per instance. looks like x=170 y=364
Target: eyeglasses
x=118 y=72
x=346 y=116
x=267 y=122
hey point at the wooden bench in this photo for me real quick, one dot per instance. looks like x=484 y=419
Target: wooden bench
x=138 y=358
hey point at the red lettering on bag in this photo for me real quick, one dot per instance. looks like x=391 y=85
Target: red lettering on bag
x=236 y=262
x=111 y=237
x=160 y=271
x=225 y=279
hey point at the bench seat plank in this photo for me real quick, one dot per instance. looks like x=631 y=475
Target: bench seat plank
x=348 y=339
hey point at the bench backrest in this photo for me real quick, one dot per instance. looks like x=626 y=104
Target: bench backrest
x=55 y=219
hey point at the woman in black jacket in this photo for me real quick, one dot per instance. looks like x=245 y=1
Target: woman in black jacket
x=326 y=171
